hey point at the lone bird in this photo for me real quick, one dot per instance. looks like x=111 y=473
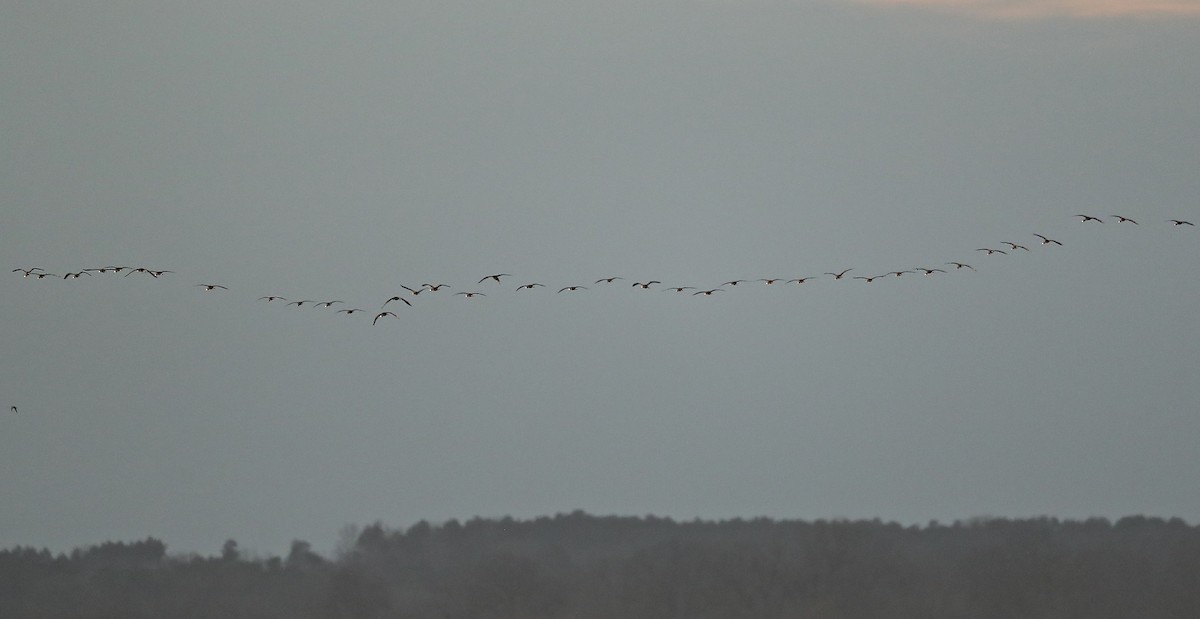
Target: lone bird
x=381 y=315
x=1047 y=241
x=208 y=287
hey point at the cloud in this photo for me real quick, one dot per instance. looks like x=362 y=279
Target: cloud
x=1038 y=9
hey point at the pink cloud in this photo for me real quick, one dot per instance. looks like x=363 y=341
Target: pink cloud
x=1034 y=9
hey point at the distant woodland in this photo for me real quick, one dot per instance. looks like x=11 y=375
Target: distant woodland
x=581 y=566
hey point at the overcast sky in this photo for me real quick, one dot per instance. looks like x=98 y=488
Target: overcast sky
x=315 y=151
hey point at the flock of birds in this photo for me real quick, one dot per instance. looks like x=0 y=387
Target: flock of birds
x=499 y=278
x=411 y=293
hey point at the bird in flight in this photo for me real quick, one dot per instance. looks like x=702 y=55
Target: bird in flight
x=208 y=287
x=472 y=294
x=1047 y=241
x=1180 y=222
x=413 y=292
x=930 y=271
x=530 y=286
x=326 y=303
x=28 y=272
x=839 y=275
x=771 y=280
x=300 y=303
x=1122 y=220
x=44 y=275
x=1084 y=218
x=645 y=285
x=898 y=273
x=13 y=409
x=992 y=251
x=495 y=277
x=960 y=265
x=76 y=275
x=801 y=280
x=437 y=287
x=868 y=279
x=679 y=288
x=607 y=280
x=397 y=298
x=349 y=312
x=572 y=288
x=708 y=293
x=1015 y=246
x=271 y=298
x=734 y=282
x=381 y=315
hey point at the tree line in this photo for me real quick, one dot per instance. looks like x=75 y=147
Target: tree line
x=580 y=566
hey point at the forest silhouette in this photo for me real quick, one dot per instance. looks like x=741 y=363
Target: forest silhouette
x=582 y=566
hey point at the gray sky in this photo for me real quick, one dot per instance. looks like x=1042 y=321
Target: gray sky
x=320 y=152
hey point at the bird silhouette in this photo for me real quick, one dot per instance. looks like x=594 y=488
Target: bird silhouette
x=495 y=277
x=1015 y=246
x=930 y=271
x=572 y=288
x=607 y=280
x=270 y=298
x=679 y=288
x=1122 y=220
x=1047 y=241
x=839 y=275
x=868 y=279
x=437 y=287
x=381 y=315
x=1085 y=218
x=326 y=303
x=1180 y=222
x=961 y=265
x=992 y=251
x=300 y=303
x=397 y=298
x=209 y=287
x=471 y=294
x=530 y=286
x=801 y=280
x=645 y=285
x=27 y=272
x=708 y=293
x=770 y=281
x=350 y=311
